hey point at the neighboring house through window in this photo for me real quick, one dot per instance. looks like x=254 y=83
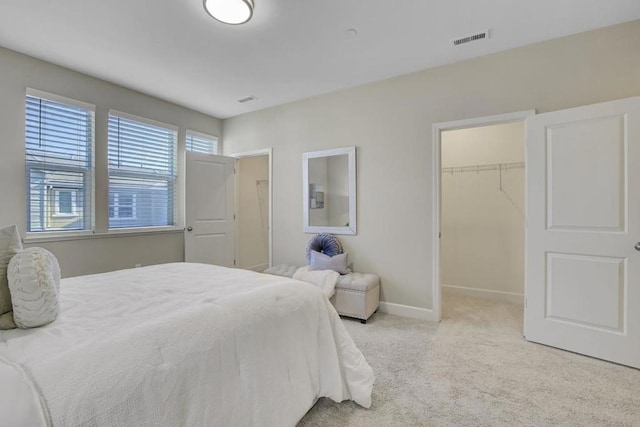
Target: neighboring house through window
x=122 y=206
x=142 y=172
x=65 y=201
x=59 y=148
x=202 y=143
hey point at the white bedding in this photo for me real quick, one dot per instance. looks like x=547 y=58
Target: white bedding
x=181 y=345
x=326 y=280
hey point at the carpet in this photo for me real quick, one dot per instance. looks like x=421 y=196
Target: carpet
x=476 y=369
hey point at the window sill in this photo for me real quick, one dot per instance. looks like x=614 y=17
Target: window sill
x=122 y=232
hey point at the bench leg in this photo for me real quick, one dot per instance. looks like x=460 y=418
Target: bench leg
x=363 y=321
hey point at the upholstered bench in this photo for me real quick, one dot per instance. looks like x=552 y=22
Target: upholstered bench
x=357 y=294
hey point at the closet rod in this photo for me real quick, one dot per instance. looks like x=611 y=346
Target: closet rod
x=484 y=168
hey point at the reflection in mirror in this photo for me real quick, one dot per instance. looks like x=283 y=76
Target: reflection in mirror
x=329 y=191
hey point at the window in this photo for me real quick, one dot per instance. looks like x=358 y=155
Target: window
x=201 y=143
x=122 y=206
x=59 y=144
x=65 y=202
x=142 y=172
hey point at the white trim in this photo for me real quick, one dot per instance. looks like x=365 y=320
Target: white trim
x=127 y=116
x=256 y=153
x=512 y=297
x=142 y=230
x=407 y=311
x=485 y=121
x=60 y=99
x=43 y=237
x=253 y=153
x=438 y=128
x=53 y=236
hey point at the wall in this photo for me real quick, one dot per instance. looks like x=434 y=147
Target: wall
x=482 y=245
x=253 y=213
x=99 y=253
x=391 y=124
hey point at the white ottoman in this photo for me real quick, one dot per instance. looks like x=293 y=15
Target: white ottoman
x=357 y=294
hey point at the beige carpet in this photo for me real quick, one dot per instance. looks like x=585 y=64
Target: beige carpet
x=475 y=369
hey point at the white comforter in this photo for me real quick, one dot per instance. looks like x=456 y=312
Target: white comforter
x=326 y=280
x=181 y=345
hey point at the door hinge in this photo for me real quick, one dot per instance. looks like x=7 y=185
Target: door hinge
x=234 y=216
x=440 y=235
x=234 y=262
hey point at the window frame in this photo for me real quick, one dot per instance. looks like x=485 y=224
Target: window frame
x=202 y=135
x=173 y=196
x=88 y=173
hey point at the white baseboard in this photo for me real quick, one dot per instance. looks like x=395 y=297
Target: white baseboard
x=512 y=297
x=407 y=311
x=259 y=268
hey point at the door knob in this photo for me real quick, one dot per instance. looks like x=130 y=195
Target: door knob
x=190 y=228
x=637 y=246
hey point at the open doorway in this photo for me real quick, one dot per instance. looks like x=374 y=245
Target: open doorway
x=253 y=210
x=479 y=199
x=482 y=243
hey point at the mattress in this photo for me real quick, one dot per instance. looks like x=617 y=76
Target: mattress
x=181 y=344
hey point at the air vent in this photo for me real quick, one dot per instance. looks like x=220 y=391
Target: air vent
x=471 y=38
x=247 y=99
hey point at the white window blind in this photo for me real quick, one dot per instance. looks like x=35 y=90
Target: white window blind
x=142 y=173
x=201 y=143
x=59 y=144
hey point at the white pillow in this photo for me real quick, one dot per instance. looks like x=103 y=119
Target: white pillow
x=34 y=281
x=10 y=244
x=320 y=261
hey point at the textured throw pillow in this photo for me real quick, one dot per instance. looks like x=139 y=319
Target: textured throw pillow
x=320 y=261
x=325 y=243
x=10 y=245
x=34 y=281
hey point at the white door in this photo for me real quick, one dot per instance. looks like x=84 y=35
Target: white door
x=209 y=236
x=583 y=229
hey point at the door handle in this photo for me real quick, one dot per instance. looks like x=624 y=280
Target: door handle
x=637 y=246
x=190 y=228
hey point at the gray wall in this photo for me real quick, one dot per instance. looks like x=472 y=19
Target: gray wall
x=98 y=253
x=391 y=123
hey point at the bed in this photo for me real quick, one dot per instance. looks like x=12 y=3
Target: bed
x=181 y=345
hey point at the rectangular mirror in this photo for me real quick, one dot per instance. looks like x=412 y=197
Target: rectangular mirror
x=329 y=191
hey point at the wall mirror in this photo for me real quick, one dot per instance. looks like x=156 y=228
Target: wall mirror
x=329 y=191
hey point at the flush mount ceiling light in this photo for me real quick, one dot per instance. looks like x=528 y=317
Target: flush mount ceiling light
x=232 y=12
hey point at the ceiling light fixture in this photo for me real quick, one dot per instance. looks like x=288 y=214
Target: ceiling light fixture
x=232 y=12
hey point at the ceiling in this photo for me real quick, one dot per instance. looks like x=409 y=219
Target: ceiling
x=291 y=49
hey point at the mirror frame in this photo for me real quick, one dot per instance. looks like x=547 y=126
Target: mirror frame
x=351 y=160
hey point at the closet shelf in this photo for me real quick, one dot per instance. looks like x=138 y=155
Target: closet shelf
x=498 y=167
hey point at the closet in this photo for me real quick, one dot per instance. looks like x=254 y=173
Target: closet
x=482 y=222
x=252 y=213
